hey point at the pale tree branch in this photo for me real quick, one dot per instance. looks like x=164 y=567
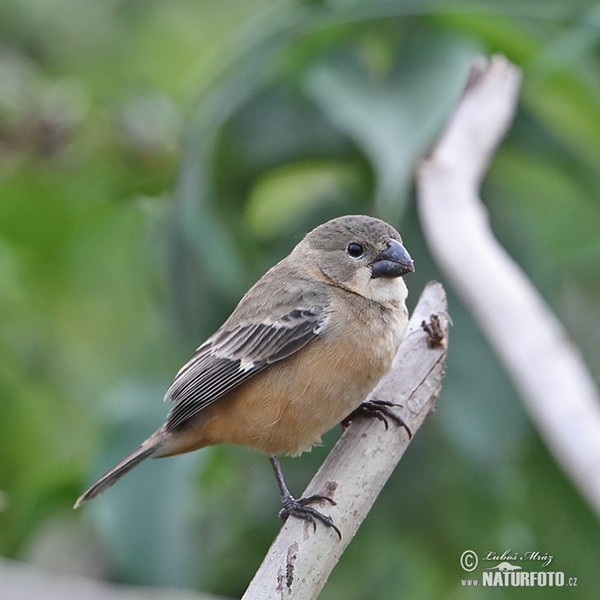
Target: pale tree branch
x=543 y=363
x=300 y=559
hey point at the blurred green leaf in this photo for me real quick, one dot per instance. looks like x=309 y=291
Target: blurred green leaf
x=392 y=119
x=139 y=512
x=571 y=221
x=283 y=195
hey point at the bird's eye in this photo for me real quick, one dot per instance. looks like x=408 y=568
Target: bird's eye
x=355 y=250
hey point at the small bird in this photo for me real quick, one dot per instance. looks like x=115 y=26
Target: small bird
x=299 y=354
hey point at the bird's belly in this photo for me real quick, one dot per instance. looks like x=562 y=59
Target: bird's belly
x=309 y=393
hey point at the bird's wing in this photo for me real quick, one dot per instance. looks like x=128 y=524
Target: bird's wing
x=231 y=356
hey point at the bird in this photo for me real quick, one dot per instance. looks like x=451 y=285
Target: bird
x=299 y=354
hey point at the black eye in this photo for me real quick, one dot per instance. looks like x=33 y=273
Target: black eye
x=355 y=250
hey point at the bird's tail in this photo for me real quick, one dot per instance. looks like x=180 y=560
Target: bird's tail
x=124 y=466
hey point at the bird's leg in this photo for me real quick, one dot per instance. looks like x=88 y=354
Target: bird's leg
x=299 y=508
x=380 y=409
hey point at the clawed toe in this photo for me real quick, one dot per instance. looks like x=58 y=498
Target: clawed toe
x=381 y=409
x=300 y=509
x=315 y=498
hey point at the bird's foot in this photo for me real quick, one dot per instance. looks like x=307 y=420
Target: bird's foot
x=299 y=508
x=380 y=409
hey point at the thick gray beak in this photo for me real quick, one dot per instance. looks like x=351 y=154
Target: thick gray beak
x=394 y=261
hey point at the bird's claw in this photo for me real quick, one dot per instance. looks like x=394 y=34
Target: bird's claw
x=381 y=409
x=299 y=508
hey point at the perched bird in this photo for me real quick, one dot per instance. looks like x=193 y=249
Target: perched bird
x=300 y=352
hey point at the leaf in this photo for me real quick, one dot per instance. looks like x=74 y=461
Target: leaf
x=283 y=195
x=392 y=120
x=146 y=509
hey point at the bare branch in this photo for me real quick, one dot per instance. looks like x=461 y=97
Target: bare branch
x=543 y=363
x=300 y=559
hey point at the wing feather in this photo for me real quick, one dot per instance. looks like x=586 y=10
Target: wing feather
x=231 y=356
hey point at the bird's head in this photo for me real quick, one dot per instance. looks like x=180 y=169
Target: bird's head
x=359 y=253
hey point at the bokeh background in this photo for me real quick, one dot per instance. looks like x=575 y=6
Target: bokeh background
x=157 y=157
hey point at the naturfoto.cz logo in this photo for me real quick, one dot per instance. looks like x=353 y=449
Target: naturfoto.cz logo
x=507 y=574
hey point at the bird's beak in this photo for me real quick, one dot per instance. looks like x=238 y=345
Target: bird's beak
x=394 y=261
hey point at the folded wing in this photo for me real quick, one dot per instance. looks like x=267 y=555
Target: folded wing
x=231 y=356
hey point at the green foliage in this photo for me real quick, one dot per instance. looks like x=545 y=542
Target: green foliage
x=156 y=158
